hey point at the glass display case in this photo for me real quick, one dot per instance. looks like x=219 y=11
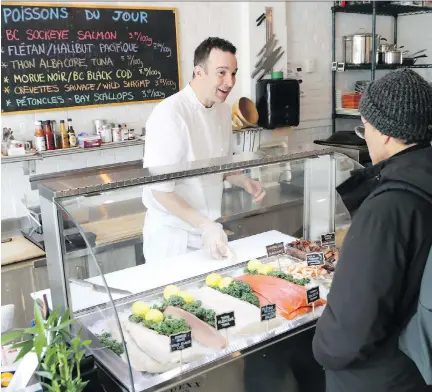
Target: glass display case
x=160 y=309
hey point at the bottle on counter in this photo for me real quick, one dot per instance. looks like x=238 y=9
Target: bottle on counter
x=72 y=137
x=124 y=132
x=64 y=137
x=49 y=137
x=56 y=135
x=39 y=137
x=107 y=136
x=116 y=133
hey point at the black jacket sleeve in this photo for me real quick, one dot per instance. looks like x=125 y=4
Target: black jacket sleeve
x=366 y=286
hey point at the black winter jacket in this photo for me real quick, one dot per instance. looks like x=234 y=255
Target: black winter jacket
x=376 y=285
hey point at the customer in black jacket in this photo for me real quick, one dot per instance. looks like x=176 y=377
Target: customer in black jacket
x=377 y=280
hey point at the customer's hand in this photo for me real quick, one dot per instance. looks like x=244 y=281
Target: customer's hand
x=254 y=188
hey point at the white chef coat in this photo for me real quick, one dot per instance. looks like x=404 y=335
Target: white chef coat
x=181 y=129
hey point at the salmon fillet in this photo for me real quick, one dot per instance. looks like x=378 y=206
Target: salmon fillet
x=290 y=298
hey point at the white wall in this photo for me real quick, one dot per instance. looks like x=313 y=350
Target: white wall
x=415 y=33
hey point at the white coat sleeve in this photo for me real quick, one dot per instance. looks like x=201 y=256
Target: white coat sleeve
x=165 y=143
x=228 y=131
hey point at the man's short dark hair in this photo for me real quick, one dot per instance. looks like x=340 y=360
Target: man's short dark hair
x=203 y=50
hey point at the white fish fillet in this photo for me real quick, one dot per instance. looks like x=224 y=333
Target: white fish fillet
x=201 y=331
x=247 y=316
x=139 y=360
x=158 y=346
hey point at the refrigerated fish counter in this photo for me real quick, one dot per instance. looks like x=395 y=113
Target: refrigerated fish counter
x=185 y=320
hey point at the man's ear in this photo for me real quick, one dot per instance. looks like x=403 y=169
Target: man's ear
x=199 y=71
x=387 y=139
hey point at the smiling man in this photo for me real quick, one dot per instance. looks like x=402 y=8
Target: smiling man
x=193 y=124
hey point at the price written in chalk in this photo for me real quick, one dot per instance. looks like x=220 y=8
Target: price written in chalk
x=312 y=295
x=315 y=259
x=181 y=341
x=140 y=37
x=275 y=249
x=152 y=93
x=268 y=312
x=225 y=320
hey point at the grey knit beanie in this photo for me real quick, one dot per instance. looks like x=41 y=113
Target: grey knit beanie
x=400 y=105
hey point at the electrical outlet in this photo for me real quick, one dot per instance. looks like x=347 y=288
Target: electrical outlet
x=310 y=65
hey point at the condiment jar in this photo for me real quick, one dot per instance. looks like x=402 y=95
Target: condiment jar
x=106 y=133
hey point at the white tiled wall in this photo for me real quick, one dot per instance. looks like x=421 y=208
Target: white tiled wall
x=15 y=186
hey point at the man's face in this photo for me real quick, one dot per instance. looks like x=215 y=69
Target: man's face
x=218 y=76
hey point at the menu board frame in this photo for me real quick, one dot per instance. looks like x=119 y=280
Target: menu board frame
x=94 y=6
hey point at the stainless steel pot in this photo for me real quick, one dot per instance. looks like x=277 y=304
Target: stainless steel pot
x=393 y=57
x=357 y=48
x=382 y=49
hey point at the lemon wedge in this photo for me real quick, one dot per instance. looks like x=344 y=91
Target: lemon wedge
x=264 y=269
x=170 y=291
x=140 y=308
x=186 y=296
x=213 y=280
x=225 y=282
x=154 y=315
x=254 y=264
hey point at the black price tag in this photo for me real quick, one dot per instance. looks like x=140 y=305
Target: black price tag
x=268 y=312
x=314 y=259
x=328 y=239
x=181 y=341
x=225 y=320
x=312 y=294
x=275 y=249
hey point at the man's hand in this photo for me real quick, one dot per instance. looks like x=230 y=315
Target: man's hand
x=254 y=188
x=215 y=240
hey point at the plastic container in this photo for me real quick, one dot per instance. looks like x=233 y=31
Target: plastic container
x=351 y=100
x=116 y=134
x=106 y=134
x=89 y=141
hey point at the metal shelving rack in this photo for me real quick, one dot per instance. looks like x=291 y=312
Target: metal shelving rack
x=374 y=8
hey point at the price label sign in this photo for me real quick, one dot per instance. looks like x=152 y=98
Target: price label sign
x=268 y=312
x=225 y=320
x=315 y=259
x=275 y=249
x=328 y=239
x=181 y=341
x=312 y=295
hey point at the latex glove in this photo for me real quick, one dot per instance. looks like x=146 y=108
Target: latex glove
x=215 y=240
x=254 y=188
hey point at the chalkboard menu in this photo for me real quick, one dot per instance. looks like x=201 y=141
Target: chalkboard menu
x=56 y=57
